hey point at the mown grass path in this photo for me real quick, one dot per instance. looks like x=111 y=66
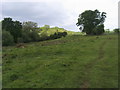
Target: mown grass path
x=91 y=64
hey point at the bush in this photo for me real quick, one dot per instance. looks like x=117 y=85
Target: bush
x=64 y=34
x=20 y=40
x=34 y=36
x=7 y=38
x=25 y=36
x=58 y=35
x=29 y=36
x=116 y=30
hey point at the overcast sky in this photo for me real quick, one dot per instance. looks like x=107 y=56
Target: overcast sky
x=61 y=13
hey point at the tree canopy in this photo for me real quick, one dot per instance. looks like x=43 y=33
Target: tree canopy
x=116 y=30
x=14 y=27
x=29 y=25
x=14 y=32
x=90 y=20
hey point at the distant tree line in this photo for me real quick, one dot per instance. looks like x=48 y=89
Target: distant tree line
x=117 y=30
x=114 y=31
x=16 y=32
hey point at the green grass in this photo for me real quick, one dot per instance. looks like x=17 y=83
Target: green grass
x=70 y=62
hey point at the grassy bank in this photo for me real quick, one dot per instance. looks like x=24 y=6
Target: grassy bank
x=70 y=62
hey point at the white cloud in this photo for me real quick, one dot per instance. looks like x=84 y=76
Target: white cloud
x=63 y=13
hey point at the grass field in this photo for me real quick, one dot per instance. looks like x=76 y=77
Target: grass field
x=70 y=62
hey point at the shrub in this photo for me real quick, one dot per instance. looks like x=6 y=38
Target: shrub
x=29 y=36
x=64 y=34
x=7 y=38
x=60 y=34
x=20 y=40
x=55 y=35
x=34 y=36
x=25 y=36
x=116 y=30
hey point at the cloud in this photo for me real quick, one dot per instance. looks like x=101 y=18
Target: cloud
x=52 y=13
x=61 y=13
x=43 y=12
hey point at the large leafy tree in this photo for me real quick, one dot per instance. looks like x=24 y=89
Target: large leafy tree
x=46 y=27
x=14 y=27
x=29 y=25
x=90 y=20
x=30 y=31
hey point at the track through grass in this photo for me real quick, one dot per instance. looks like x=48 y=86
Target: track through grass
x=70 y=62
x=91 y=64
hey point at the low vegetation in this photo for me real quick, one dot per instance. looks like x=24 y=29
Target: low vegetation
x=70 y=62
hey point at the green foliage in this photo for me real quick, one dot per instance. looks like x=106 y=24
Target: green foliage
x=7 y=38
x=64 y=34
x=30 y=36
x=29 y=31
x=20 y=40
x=98 y=30
x=7 y=24
x=14 y=27
x=46 y=27
x=107 y=30
x=29 y=25
x=58 y=35
x=17 y=30
x=116 y=30
x=26 y=36
x=34 y=36
x=89 y=20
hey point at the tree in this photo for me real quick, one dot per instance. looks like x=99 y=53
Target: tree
x=17 y=31
x=34 y=36
x=14 y=27
x=30 y=31
x=107 y=30
x=46 y=27
x=29 y=25
x=7 y=38
x=7 y=24
x=99 y=30
x=29 y=36
x=89 y=20
x=64 y=34
x=26 y=36
x=117 y=30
